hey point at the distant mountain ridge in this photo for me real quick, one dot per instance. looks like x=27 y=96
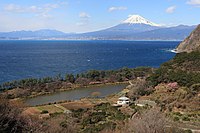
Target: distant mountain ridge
x=32 y=34
x=140 y=32
x=133 y=28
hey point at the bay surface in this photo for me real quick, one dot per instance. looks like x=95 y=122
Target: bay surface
x=35 y=59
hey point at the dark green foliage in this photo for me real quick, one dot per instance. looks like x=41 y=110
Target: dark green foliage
x=188 y=131
x=100 y=117
x=176 y=118
x=117 y=75
x=177 y=113
x=133 y=106
x=44 y=112
x=187 y=57
x=70 y=78
x=90 y=76
x=195 y=88
x=30 y=82
x=106 y=110
x=181 y=77
x=93 y=74
x=78 y=113
x=183 y=69
x=186 y=118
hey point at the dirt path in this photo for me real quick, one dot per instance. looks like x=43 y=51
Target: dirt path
x=63 y=108
x=130 y=82
x=193 y=130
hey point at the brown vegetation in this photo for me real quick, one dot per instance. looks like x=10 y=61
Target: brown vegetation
x=61 y=123
x=139 y=88
x=191 y=43
x=151 y=121
x=12 y=120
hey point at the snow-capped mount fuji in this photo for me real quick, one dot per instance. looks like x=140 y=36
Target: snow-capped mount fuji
x=134 y=24
x=137 y=19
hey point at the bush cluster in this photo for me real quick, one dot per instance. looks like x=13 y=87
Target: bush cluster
x=102 y=116
x=183 y=69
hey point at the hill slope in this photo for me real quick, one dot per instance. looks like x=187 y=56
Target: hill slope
x=191 y=43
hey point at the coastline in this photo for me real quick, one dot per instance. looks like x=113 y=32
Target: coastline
x=174 y=51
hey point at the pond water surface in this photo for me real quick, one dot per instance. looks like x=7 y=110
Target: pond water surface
x=75 y=94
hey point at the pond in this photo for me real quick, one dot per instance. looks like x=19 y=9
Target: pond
x=76 y=94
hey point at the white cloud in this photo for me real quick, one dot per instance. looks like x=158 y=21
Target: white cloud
x=117 y=8
x=42 y=11
x=84 y=15
x=10 y=23
x=84 y=19
x=194 y=2
x=13 y=8
x=171 y=9
x=81 y=24
x=33 y=9
x=50 y=6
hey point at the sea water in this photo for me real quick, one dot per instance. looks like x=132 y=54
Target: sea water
x=35 y=59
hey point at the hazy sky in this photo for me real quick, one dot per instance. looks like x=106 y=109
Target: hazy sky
x=91 y=15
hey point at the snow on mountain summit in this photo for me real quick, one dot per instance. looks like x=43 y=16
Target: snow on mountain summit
x=137 y=19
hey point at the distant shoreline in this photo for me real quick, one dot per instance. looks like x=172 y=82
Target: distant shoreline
x=90 y=40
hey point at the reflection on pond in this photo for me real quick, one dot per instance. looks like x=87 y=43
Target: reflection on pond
x=76 y=94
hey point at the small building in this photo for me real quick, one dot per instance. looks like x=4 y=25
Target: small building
x=123 y=101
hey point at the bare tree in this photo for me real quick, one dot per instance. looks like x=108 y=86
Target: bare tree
x=12 y=120
x=63 y=123
x=151 y=121
x=138 y=88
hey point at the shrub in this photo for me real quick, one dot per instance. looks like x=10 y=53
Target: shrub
x=176 y=118
x=188 y=131
x=70 y=78
x=195 y=88
x=177 y=113
x=186 y=118
x=44 y=112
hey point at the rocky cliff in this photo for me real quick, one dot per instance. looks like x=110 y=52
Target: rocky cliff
x=191 y=43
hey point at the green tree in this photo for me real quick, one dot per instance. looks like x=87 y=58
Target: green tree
x=70 y=78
